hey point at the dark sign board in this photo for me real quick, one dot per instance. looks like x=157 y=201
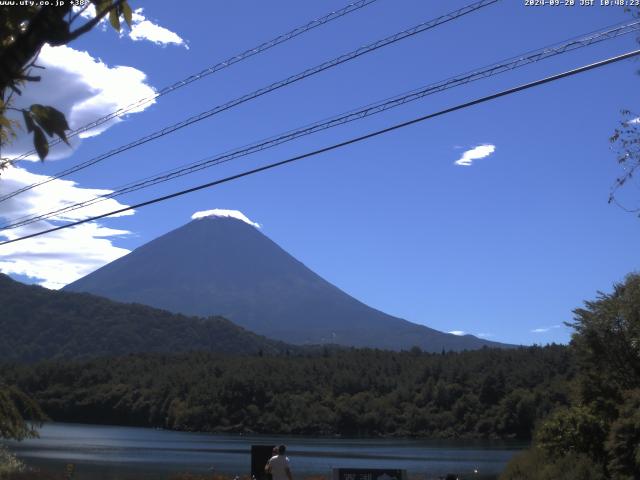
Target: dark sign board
x=369 y=474
x=260 y=455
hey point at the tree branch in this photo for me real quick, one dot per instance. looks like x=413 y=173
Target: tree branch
x=29 y=78
x=93 y=22
x=47 y=25
x=78 y=13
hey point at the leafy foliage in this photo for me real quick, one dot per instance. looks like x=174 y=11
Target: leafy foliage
x=52 y=121
x=623 y=444
x=572 y=430
x=24 y=30
x=9 y=464
x=607 y=337
x=603 y=422
x=535 y=464
x=626 y=143
x=15 y=409
x=487 y=393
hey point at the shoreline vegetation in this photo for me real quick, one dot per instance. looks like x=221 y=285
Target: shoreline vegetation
x=483 y=394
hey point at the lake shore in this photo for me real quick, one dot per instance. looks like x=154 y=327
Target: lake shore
x=108 y=453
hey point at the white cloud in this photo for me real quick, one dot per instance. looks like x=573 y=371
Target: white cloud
x=545 y=329
x=476 y=153
x=460 y=333
x=485 y=335
x=219 y=212
x=142 y=29
x=84 y=89
x=635 y=120
x=60 y=257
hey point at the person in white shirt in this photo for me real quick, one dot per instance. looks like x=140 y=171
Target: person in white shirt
x=278 y=465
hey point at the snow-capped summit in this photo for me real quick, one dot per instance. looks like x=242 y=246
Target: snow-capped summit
x=221 y=212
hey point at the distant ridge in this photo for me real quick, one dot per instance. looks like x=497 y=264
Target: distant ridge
x=40 y=324
x=222 y=265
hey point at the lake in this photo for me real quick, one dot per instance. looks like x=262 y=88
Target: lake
x=109 y=452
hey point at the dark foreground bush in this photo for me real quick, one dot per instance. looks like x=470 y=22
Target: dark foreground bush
x=534 y=464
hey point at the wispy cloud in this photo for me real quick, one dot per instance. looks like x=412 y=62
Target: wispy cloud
x=92 y=89
x=60 y=257
x=635 y=120
x=476 y=153
x=220 y=212
x=545 y=329
x=485 y=335
x=457 y=332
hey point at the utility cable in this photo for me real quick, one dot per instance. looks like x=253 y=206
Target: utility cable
x=352 y=7
x=335 y=146
x=422 y=27
x=363 y=112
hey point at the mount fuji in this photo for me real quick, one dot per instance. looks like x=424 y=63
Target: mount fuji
x=220 y=263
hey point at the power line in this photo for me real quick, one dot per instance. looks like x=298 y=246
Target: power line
x=335 y=146
x=369 y=110
x=352 y=7
x=257 y=93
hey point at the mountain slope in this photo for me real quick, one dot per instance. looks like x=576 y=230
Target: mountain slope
x=223 y=266
x=37 y=324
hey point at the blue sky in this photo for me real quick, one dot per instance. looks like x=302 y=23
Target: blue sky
x=505 y=247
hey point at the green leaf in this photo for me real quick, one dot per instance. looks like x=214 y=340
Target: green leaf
x=127 y=13
x=51 y=120
x=28 y=121
x=101 y=5
x=40 y=142
x=114 y=19
x=41 y=116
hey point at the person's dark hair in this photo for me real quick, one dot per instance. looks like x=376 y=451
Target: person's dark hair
x=282 y=449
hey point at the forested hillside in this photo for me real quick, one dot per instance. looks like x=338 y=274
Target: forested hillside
x=37 y=324
x=484 y=393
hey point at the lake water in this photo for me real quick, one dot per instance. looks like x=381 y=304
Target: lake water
x=109 y=453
